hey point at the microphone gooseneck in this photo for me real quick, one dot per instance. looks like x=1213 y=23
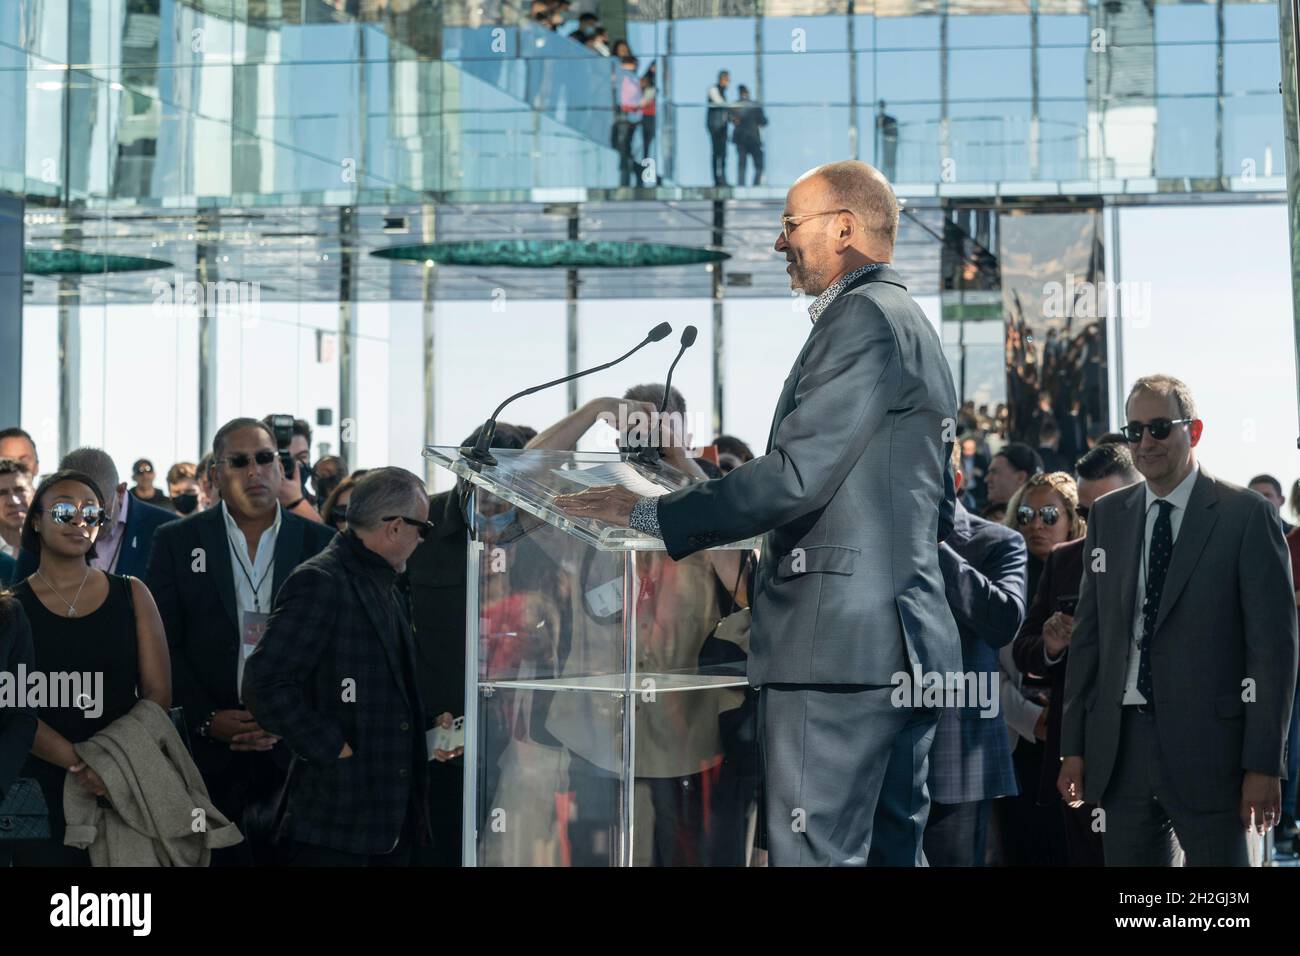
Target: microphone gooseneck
x=480 y=453
x=650 y=455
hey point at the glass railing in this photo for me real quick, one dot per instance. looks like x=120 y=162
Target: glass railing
x=177 y=104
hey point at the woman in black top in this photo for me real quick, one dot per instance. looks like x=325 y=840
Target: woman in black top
x=86 y=622
x=17 y=723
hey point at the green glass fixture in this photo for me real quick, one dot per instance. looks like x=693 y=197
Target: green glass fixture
x=553 y=254
x=74 y=262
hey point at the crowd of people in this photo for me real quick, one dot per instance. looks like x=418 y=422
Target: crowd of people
x=240 y=601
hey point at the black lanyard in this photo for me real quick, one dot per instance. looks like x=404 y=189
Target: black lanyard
x=257 y=588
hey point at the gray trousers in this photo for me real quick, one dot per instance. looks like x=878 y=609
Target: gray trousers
x=844 y=775
x=1145 y=822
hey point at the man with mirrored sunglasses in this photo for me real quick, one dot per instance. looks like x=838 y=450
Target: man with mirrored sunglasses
x=1183 y=653
x=215 y=575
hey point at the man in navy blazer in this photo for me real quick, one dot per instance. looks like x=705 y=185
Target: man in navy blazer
x=985 y=573
x=853 y=496
x=123 y=546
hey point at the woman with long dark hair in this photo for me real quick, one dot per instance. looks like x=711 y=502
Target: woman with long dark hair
x=85 y=622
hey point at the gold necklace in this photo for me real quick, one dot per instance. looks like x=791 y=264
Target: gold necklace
x=72 y=608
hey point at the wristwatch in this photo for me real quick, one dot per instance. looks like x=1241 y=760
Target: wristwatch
x=207 y=723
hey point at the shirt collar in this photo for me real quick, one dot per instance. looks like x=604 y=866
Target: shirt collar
x=233 y=529
x=1180 y=495
x=823 y=301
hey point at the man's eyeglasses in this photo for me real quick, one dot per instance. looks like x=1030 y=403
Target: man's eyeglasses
x=263 y=458
x=789 y=222
x=1159 y=428
x=65 y=512
x=426 y=527
x=1049 y=513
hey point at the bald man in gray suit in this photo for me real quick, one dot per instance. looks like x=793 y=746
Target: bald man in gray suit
x=1182 y=665
x=854 y=496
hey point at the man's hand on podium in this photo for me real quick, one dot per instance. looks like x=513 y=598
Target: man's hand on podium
x=612 y=503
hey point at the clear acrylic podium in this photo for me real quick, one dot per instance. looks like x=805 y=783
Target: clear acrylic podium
x=606 y=723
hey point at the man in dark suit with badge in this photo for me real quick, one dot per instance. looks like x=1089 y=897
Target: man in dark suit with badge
x=215 y=576
x=853 y=496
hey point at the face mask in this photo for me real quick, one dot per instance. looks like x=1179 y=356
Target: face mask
x=498 y=523
x=186 y=503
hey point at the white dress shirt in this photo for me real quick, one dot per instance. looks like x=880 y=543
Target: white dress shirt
x=253 y=584
x=1178 y=498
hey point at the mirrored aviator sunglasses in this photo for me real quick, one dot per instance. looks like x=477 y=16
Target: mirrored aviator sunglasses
x=66 y=513
x=1049 y=513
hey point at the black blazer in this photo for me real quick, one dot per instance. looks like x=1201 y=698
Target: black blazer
x=17 y=724
x=142 y=521
x=201 y=616
x=1061 y=577
x=337 y=665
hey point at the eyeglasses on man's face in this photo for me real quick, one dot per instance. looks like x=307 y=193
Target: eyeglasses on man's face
x=788 y=223
x=240 y=461
x=1159 y=428
x=65 y=512
x=425 y=527
x=1049 y=513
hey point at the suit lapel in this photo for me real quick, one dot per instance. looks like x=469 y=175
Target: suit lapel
x=1192 y=535
x=1125 y=564
x=785 y=403
x=216 y=547
x=288 y=548
x=126 y=553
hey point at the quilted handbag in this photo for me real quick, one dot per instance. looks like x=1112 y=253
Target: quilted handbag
x=23 y=814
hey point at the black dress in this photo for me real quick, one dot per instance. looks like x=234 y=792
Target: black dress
x=101 y=642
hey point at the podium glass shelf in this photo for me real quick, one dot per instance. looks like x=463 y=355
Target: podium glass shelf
x=608 y=718
x=702 y=678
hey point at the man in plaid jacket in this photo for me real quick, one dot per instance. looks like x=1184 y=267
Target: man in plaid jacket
x=334 y=676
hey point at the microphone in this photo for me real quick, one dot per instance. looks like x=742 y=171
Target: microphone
x=480 y=453
x=650 y=455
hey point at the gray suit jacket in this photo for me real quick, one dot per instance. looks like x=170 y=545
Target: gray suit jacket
x=1227 y=613
x=850 y=493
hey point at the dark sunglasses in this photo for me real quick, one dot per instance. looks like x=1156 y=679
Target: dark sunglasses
x=1159 y=428
x=65 y=512
x=1049 y=513
x=426 y=527
x=263 y=458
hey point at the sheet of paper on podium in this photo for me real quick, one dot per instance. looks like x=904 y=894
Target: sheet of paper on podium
x=613 y=473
